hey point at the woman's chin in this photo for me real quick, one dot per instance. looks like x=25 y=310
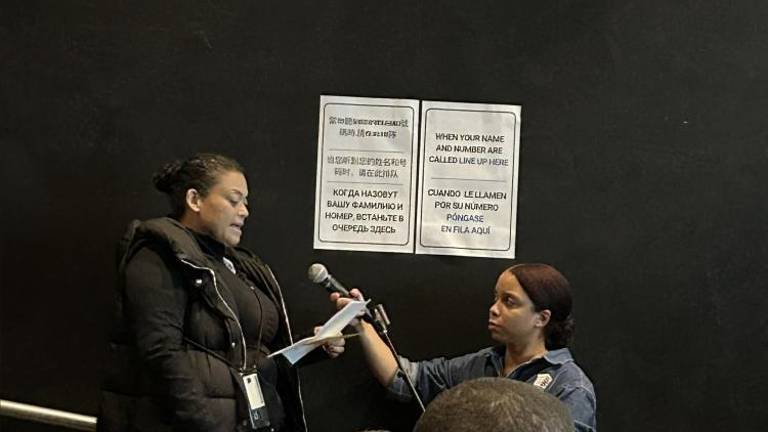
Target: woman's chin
x=232 y=237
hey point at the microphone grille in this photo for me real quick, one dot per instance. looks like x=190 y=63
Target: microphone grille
x=317 y=273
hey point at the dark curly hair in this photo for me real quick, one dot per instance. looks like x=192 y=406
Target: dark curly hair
x=495 y=404
x=199 y=172
x=549 y=289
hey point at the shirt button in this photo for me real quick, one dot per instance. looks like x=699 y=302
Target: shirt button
x=245 y=423
x=234 y=344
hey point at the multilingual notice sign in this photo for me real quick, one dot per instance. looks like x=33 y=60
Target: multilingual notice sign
x=468 y=179
x=366 y=175
x=366 y=195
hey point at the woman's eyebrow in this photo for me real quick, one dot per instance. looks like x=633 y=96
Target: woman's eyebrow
x=508 y=294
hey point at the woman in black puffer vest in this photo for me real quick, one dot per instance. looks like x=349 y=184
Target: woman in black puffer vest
x=195 y=314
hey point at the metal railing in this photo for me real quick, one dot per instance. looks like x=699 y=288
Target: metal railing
x=47 y=415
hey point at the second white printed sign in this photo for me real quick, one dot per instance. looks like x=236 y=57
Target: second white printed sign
x=468 y=179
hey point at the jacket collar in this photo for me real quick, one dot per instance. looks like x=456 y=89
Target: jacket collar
x=210 y=246
x=180 y=239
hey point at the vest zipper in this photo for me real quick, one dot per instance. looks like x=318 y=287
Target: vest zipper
x=282 y=302
x=216 y=288
x=290 y=338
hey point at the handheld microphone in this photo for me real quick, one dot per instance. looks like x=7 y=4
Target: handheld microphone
x=318 y=274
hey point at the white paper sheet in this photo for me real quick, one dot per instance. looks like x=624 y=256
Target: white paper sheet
x=331 y=328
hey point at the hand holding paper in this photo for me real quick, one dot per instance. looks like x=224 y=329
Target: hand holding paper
x=330 y=330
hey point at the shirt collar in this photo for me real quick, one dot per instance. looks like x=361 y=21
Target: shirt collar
x=558 y=356
x=555 y=357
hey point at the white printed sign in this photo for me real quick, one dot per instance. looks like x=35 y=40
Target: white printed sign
x=365 y=192
x=468 y=179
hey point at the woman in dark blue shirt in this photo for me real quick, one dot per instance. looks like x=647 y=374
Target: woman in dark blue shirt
x=531 y=319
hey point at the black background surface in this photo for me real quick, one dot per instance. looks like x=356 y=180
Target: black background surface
x=643 y=161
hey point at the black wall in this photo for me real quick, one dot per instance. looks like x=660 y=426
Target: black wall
x=643 y=166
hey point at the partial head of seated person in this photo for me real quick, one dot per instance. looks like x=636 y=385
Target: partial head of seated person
x=495 y=405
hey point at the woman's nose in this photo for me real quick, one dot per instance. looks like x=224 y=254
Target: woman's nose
x=493 y=310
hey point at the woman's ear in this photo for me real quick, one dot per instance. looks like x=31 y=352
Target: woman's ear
x=543 y=318
x=193 y=200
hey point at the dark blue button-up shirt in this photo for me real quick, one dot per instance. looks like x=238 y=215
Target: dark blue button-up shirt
x=555 y=372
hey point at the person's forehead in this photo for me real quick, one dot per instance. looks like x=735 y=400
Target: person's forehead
x=232 y=181
x=508 y=283
x=510 y=286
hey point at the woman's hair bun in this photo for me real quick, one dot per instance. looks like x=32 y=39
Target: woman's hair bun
x=200 y=172
x=167 y=176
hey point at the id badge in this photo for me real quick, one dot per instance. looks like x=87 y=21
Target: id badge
x=257 y=409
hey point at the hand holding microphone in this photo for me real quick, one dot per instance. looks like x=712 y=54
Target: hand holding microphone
x=340 y=296
x=381 y=356
x=340 y=302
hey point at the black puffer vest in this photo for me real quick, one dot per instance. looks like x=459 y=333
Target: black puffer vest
x=133 y=398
